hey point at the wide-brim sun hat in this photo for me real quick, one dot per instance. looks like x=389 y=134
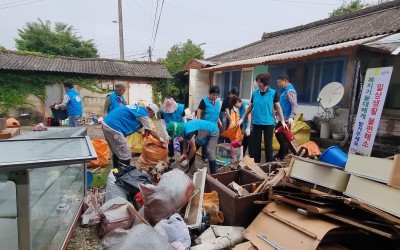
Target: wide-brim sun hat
x=169 y=106
x=154 y=108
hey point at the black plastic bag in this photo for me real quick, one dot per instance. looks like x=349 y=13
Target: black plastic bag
x=130 y=180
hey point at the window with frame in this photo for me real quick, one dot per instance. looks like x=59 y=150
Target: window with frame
x=310 y=77
x=246 y=84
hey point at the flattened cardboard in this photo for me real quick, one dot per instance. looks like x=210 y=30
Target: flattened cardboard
x=394 y=177
x=374 y=194
x=318 y=173
x=281 y=222
x=372 y=168
x=245 y=246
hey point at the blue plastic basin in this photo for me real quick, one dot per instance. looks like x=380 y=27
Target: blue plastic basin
x=335 y=156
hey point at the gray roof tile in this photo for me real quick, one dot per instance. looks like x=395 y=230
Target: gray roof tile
x=11 y=60
x=368 y=22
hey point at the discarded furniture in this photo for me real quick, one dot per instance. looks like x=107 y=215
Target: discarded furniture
x=42 y=187
x=237 y=210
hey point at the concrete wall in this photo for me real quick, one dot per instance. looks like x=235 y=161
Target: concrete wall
x=91 y=102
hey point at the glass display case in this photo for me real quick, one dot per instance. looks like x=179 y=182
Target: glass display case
x=42 y=187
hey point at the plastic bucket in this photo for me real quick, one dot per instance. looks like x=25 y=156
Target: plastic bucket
x=89 y=179
x=335 y=156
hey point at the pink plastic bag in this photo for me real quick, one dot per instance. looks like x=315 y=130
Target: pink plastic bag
x=172 y=193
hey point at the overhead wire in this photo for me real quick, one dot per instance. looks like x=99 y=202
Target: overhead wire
x=154 y=21
x=158 y=23
x=8 y=7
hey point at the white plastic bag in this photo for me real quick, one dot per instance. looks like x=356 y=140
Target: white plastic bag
x=176 y=232
x=112 y=189
x=172 y=192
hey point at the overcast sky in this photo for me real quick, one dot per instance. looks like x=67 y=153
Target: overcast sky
x=221 y=24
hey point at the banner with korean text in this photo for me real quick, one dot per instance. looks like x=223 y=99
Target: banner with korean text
x=370 y=108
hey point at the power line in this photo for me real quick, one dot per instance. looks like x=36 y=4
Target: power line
x=10 y=3
x=148 y=16
x=8 y=7
x=158 y=23
x=154 y=21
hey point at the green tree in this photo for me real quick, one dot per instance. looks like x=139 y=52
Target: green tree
x=348 y=7
x=180 y=54
x=62 y=40
x=177 y=57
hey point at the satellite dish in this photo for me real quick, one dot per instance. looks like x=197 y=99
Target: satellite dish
x=331 y=95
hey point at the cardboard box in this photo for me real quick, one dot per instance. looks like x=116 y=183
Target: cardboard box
x=394 y=176
x=374 y=194
x=286 y=228
x=372 y=168
x=237 y=210
x=318 y=173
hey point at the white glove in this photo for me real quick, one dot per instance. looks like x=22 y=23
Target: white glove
x=290 y=121
x=184 y=163
x=247 y=132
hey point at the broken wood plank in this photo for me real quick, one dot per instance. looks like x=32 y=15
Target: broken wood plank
x=249 y=163
x=260 y=186
x=362 y=226
x=240 y=190
x=307 y=207
x=373 y=210
x=261 y=202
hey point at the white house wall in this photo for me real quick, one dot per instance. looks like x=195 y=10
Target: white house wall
x=199 y=84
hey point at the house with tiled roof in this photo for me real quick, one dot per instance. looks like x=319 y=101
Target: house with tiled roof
x=335 y=49
x=136 y=75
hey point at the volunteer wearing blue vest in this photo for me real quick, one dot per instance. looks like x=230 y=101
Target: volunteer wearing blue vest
x=72 y=100
x=115 y=99
x=262 y=104
x=172 y=111
x=208 y=110
x=124 y=121
x=241 y=107
x=196 y=134
x=288 y=102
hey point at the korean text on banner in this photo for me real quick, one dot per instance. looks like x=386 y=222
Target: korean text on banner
x=369 y=110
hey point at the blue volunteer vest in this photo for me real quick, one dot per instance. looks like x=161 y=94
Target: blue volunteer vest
x=175 y=116
x=196 y=125
x=263 y=107
x=242 y=110
x=212 y=111
x=74 y=106
x=123 y=119
x=284 y=102
x=114 y=101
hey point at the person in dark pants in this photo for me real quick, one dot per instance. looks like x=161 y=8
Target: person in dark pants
x=240 y=106
x=72 y=100
x=224 y=114
x=115 y=99
x=196 y=134
x=172 y=111
x=262 y=104
x=288 y=102
x=123 y=121
x=208 y=110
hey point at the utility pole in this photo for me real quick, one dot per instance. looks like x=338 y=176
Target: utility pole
x=121 y=32
x=149 y=51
